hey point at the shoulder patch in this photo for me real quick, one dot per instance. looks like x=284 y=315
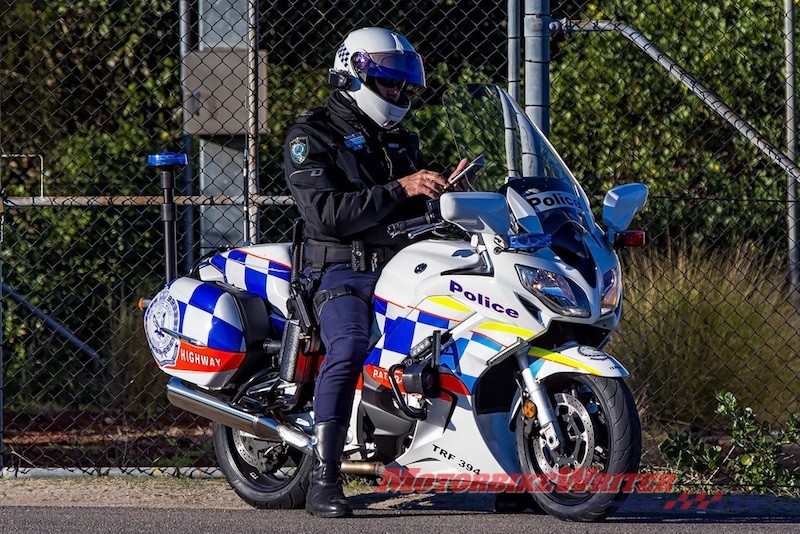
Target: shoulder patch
x=298 y=148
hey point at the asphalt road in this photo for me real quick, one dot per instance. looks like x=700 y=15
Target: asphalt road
x=166 y=510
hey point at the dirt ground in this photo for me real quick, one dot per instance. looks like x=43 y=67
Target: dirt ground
x=186 y=493
x=141 y=492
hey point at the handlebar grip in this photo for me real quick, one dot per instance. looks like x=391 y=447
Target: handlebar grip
x=401 y=226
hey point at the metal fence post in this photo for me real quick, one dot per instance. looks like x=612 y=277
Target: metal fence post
x=791 y=151
x=186 y=213
x=2 y=367
x=537 y=63
x=513 y=49
x=251 y=158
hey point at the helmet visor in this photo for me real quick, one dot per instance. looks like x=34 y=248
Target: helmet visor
x=401 y=66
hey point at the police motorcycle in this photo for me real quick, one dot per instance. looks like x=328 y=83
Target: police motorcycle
x=487 y=355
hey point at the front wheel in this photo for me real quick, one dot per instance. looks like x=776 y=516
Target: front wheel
x=602 y=436
x=264 y=473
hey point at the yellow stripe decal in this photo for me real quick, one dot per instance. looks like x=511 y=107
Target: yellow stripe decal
x=560 y=358
x=507 y=329
x=449 y=302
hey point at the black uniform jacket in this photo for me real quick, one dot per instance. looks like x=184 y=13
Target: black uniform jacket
x=342 y=168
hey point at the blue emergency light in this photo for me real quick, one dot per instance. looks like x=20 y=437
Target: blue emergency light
x=167 y=159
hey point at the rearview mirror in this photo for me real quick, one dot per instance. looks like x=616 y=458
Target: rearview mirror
x=621 y=204
x=476 y=212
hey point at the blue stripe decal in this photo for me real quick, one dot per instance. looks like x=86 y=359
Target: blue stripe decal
x=401 y=337
x=536 y=365
x=450 y=359
x=219 y=261
x=433 y=320
x=450 y=356
x=181 y=311
x=483 y=340
x=374 y=357
x=237 y=255
x=468 y=381
x=380 y=306
x=391 y=325
x=279 y=271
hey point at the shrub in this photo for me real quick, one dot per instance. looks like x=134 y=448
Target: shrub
x=752 y=460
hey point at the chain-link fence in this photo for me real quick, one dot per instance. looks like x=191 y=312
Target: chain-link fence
x=89 y=88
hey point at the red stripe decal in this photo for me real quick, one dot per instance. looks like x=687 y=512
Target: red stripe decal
x=381 y=375
x=194 y=358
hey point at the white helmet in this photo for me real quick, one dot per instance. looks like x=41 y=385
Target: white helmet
x=371 y=53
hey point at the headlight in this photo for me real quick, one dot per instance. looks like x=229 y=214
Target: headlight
x=611 y=293
x=557 y=292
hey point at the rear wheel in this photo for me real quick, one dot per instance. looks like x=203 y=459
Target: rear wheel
x=601 y=431
x=264 y=473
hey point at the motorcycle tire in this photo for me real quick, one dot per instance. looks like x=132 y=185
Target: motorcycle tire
x=265 y=474
x=601 y=430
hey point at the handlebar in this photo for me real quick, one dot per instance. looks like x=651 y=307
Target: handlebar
x=400 y=227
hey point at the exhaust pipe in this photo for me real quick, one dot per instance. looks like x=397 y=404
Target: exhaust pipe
x=364 y=469
x=205 y=405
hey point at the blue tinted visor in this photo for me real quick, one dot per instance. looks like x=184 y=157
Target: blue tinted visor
x=403 y=66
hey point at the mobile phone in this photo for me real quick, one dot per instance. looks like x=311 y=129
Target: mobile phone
x=467 y=174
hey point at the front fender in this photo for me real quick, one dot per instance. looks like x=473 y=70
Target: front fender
x=577 y=359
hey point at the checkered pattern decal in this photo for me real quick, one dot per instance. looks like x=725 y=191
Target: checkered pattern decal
x=404 y=329
x=342 y=53
x=401 y=332
x=195 y=332
x=206 y=314
x=250 y=272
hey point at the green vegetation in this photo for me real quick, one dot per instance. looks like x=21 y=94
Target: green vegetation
x=619 y=117
x=755 y=460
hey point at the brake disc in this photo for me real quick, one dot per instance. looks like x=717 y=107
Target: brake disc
x=266 y=456
x=576 y=425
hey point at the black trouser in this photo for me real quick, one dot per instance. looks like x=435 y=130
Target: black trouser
x=345 y=331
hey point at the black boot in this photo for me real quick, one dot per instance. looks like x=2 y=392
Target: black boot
x=325 y=497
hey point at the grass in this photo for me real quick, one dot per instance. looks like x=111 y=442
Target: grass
x=696 y=323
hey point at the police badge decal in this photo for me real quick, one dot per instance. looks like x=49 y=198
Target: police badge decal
x=162 y=312
x=298 y=148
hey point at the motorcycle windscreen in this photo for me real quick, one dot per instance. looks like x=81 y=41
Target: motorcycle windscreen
x=484 y=119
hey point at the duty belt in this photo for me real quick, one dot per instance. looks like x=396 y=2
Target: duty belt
x=359 y=256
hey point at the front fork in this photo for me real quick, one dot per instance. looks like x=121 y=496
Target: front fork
x=545 y=415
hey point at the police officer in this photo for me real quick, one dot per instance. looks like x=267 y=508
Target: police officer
x=353 y=170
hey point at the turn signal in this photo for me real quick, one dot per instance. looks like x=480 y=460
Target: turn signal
x=630 y=238
x=529 y=409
